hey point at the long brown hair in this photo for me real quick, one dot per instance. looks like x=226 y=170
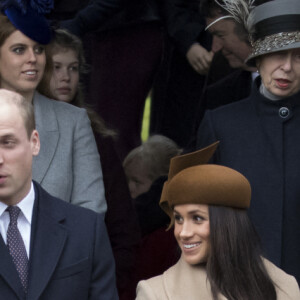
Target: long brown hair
x=235 y=266
x=6 y=28
x=63 y=40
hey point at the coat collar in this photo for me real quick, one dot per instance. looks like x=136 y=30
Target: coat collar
x=182 y=280
x=48 y=237
x=267 y=107
x=47 y=127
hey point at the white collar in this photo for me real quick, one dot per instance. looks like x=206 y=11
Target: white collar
x=26 y=205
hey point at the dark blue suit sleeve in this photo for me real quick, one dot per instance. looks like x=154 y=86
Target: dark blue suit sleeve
x=184 y=24
x=206 y=134
x=103 y=281
x=92 y=16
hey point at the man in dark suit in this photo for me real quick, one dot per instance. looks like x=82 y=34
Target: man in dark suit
x=231 y=39
x=123 y=45
x=49 y=249
x=181 y=77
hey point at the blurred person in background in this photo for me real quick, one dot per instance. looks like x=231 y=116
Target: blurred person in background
x=123 y=45
x=146 y=168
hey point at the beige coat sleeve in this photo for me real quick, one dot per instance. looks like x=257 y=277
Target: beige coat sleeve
x=286 y=285
x=144 y=291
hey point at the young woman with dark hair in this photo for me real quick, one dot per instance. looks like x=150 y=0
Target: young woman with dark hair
x=220 y=254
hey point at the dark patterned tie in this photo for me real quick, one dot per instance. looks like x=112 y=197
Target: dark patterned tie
x=16 y=245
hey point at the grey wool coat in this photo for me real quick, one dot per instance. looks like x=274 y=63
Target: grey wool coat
x=68 y=165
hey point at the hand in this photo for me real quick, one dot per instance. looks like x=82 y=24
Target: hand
x=199 y=58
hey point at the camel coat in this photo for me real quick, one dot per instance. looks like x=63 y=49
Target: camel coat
x=187 y=282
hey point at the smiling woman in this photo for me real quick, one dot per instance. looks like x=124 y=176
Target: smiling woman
x=192 y=231
x=207 y=203
x=22 y=64
x=68 y=164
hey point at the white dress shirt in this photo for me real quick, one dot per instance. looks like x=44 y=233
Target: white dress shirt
x=24 y=219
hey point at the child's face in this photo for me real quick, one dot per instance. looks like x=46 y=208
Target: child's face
x=137 y=178
x=65 y=76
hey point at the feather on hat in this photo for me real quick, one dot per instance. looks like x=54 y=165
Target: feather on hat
x=272 y=26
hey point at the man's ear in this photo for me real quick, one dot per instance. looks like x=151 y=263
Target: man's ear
x=35 y=143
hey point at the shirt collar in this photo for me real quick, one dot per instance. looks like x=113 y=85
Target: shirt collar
x=26 y=205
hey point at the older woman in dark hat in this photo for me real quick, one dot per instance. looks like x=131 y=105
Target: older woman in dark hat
x=68 y=165
x=259 y=136
x=220 y=257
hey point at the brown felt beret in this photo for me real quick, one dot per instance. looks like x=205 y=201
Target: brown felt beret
x=192 y=181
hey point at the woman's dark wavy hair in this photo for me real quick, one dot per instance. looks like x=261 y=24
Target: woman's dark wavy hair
x=235 y=266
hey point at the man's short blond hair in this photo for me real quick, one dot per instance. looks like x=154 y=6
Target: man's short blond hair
x=25 y=108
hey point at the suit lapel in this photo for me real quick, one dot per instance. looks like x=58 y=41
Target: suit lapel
x=9 y=272
x=47 y=243
x=47 y=126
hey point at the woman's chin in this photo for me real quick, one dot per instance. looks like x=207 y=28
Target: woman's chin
x=284 y=92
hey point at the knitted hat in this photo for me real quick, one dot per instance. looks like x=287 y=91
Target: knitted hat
x=192 y=181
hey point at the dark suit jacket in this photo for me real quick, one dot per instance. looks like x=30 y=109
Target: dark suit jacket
x=185 y=25
x=70 y=255
x=101 y=15
x=233 y=87
x=120 y=217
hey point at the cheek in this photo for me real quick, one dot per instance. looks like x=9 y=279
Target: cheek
x=265 y=76
x=53 y=84
x=267 y=67
x=131 y=185
x=132 y=189
x=5 y=64
x=229 y=45
x=297 y=81
x=205 y=232
x=75 y=81
x=176 y=230
x=144 y=187
x=42 y=60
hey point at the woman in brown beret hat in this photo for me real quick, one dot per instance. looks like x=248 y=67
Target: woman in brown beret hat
x=221 y=257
